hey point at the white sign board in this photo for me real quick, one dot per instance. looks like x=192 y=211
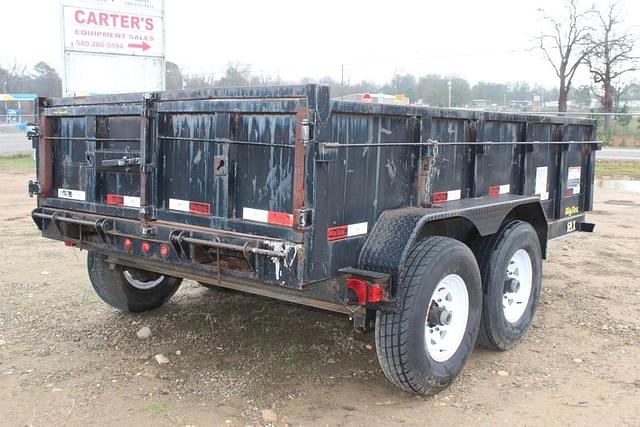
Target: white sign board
x=113 y=46
x=88 y=73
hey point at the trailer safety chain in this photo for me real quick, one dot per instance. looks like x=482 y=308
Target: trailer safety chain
x=245 y=252
x=293 y=258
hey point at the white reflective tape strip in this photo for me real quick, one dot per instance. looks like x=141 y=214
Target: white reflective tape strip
x=573 y=179
x=64 y=193
x=453 y=195
x=541 y=182
x=357 y=229
x=133 y=202
x=504 y=189
x=255 y=214
x=179 y=205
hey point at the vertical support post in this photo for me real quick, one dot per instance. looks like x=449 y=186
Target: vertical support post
x=476 y=171
x=90 y=133
x=302 y=139
x=45 y=151
x=425 y=161
x=562 y=178
x=523 y=150
x=148 y=128
x=234 y=133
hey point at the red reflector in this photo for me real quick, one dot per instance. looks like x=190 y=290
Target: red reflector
x=164 y=250
x=440 y=197
x=200 y=208
x=280 y=218
x=128 y=245
x=339 y=232
x=374 y=293
x=69 y=244
x=568 y=192
x=359 y=287
x=146 y=247
x=494 y=191
x=115 y=199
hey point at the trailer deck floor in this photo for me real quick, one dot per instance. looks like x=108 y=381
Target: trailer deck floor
x=67 y=358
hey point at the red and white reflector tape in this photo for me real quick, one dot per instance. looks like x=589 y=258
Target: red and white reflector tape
x=268 y=217
x=200 y=208
x=496 y=190
x=344 y=231
x=446 y=196
x=120 y=200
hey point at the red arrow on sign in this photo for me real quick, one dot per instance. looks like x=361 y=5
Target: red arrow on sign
x=144 y=46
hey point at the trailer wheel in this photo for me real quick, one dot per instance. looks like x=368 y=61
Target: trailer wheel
x=511 y=268
x=425 y=345
x=127 y=288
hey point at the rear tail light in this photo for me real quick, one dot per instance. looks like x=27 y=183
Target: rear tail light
x=128 y=245
x=146 y=247
x=359 y=287
x=69 y=244
x=164 y=251
x=366 y=292
x=375 y=293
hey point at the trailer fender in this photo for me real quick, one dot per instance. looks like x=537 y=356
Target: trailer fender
x=396 y=230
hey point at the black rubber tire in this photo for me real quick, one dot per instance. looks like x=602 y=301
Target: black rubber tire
x=400 y=337
x=496 y=333
x=114 y=289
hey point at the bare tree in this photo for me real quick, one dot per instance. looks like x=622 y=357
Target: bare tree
x=611 y=56
x=566 y=42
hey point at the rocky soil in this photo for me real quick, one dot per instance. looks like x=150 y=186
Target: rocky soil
x=216 y=358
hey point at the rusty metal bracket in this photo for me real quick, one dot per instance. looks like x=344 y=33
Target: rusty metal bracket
x=175 y=238
x=58 y=217
x=302 y=135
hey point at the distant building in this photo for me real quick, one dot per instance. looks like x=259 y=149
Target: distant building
x=17 y=109
x=377 y=98
x=522 y=105
x=480 y=104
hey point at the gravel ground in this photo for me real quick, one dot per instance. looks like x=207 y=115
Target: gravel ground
x=230 y=359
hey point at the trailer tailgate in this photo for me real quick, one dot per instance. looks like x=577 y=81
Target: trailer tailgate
x=230 y=163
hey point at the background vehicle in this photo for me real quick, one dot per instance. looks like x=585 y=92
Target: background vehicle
x=428 y=225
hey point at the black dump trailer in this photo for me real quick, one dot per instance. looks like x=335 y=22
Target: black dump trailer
x=426 y=225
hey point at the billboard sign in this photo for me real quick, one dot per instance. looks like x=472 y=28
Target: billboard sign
x=113 y=46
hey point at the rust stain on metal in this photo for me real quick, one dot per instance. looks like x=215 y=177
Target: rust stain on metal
x=299 y=162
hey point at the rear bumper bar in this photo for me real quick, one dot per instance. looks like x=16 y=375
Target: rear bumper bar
x=215 y=253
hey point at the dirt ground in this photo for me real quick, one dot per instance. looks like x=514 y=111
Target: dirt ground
x=67 y=358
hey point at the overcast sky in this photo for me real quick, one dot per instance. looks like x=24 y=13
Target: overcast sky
x=477 y=40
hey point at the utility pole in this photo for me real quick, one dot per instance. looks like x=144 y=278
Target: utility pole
x=342 y=81
x=449 y=85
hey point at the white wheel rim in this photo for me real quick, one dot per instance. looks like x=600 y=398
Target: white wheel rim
x=447 y=316
x=517 y=287
x=142 y=284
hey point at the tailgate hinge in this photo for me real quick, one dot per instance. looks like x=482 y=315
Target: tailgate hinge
x=304 y=218
x=34 y=188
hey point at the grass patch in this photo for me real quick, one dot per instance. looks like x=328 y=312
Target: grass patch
x=159 y=408
x=18 y=163
x=617 y=168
